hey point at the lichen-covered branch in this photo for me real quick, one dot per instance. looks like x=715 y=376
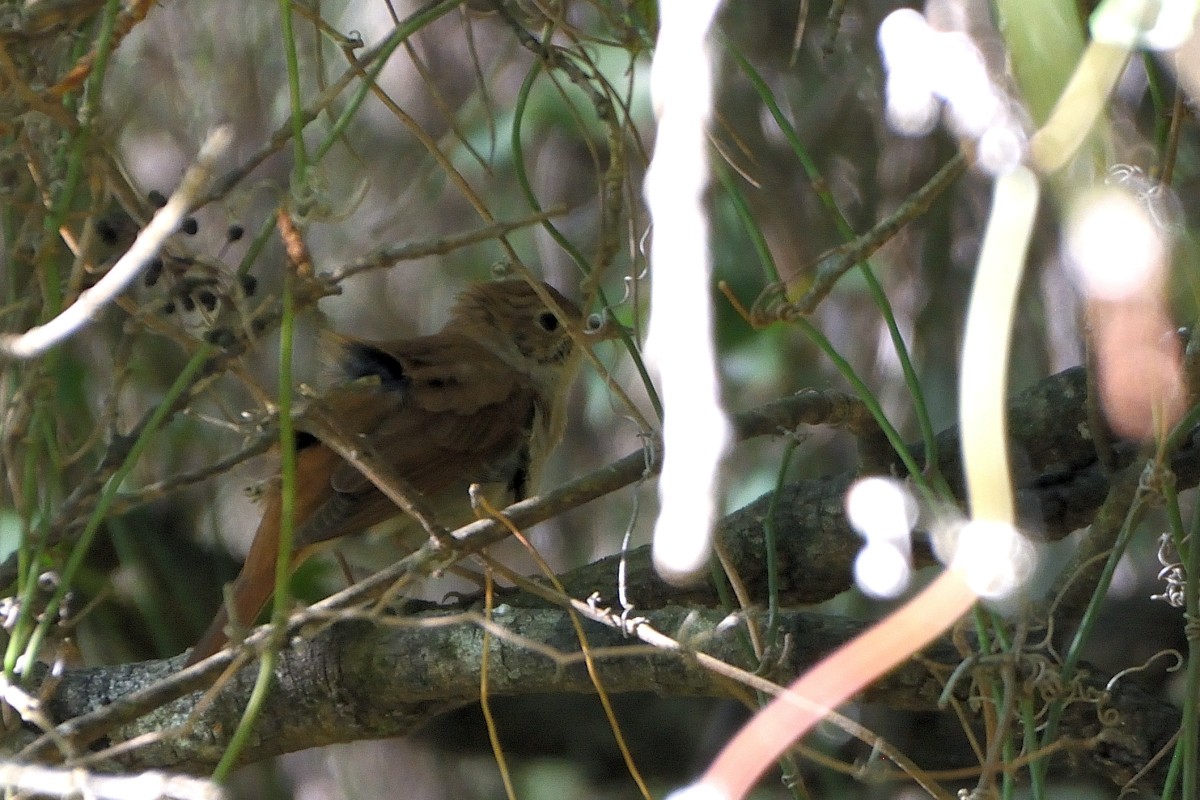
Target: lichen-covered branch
x=360 y=678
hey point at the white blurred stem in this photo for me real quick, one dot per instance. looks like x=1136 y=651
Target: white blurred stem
x=984 y=372
x=696 y=433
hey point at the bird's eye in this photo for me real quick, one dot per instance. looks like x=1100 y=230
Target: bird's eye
x=547 y=321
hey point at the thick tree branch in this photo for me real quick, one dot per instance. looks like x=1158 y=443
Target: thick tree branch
x=363 y=680
x=1060 y=487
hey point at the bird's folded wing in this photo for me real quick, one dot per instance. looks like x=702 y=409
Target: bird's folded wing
x=446 y=413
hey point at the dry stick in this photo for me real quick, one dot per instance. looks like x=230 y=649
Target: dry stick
x=805 y=408
x=1010 y=766
x=79 y=73
x=145 y=248
x=840 y=260
x=45 y=19
x=409 y=251
x=743 y=597
x=29 y=98
x=283 y=134
x=994 y=762
x=152 y=491
x=580 y=635
x=485 y=700
x=359 y=453
x=49 y=782
x=31 y=709
x=640 y=628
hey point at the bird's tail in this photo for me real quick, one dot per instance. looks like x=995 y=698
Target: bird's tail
x=255 y=584
x=253 y=587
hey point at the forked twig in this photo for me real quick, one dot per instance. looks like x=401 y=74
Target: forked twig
x=145 y=248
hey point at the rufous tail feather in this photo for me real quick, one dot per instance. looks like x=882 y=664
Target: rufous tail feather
x=251 y=590
x=255 y=584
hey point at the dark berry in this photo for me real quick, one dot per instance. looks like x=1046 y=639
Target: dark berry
x=190 y=226
x=107 y=232
x=154 y=271
x=207 y=299
x=249 y=284
x=235 y=232
x=157 y=198
x=221 y=337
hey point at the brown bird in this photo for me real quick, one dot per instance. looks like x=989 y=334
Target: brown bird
x=482 y=401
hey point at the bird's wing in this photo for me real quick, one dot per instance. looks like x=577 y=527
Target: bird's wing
x=443 y=414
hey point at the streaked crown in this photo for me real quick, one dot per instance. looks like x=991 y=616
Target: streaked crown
x=510 y=319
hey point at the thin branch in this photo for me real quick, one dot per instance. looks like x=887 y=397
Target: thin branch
x=409 y=251
x=47 y=781
x=358 y=453
x=840 y=260
x=145 y=248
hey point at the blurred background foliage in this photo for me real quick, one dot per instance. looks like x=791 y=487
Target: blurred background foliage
x=104 y=103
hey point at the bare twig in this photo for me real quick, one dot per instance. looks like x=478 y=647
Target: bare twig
x=153 y=491
x=359 y=454
x=840 y=260
x=39 y=339
x=409 y=251
x=49 y=782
